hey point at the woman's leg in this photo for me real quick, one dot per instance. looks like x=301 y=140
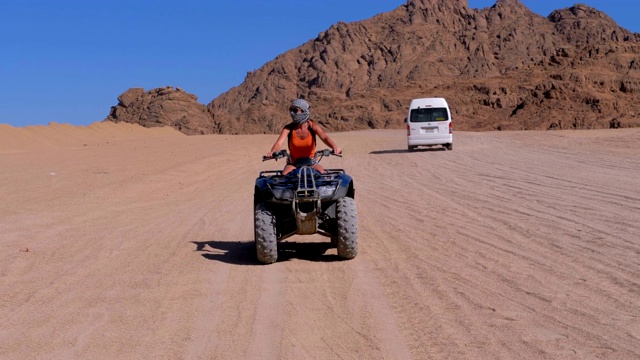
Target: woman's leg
x=287 y=169
x=319 y=168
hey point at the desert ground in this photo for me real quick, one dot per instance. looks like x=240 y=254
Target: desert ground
x=120 y=242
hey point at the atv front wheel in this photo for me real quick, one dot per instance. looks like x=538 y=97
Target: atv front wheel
x=347 y=216
x=265 y=234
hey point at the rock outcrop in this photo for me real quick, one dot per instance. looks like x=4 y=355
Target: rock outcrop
x=166 y=106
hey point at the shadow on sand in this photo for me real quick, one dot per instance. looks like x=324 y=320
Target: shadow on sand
x=404 y=151
x=244 y=252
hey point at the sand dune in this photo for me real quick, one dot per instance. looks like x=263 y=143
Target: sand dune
x=120 y=242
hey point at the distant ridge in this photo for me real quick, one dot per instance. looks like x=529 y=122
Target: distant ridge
x=501 y=68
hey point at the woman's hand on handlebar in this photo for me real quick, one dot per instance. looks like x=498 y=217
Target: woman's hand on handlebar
x=275 y=155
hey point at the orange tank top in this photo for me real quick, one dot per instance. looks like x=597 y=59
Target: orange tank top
x=299 y=148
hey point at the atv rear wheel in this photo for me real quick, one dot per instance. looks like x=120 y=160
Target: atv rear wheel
x=347 y=217
x=265 y=234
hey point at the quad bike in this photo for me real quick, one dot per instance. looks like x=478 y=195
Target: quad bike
x=304 y=202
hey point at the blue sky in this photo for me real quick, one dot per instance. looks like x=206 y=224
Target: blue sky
x=66 y=61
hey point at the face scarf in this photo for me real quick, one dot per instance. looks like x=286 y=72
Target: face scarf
x=300 y=117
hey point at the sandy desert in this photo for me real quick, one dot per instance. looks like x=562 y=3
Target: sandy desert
x=121 y=242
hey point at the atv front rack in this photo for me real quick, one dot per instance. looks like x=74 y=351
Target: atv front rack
x=306 y=202
x=329 y=174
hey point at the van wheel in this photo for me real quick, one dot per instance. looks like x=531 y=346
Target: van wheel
x=449 y=146
x=411 y=148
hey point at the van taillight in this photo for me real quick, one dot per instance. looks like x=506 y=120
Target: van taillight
x=409 y=130
x=450 y=128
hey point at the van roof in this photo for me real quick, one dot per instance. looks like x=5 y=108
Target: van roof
x=428 y=102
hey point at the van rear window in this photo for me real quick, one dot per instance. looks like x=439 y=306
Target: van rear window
x=429 y=115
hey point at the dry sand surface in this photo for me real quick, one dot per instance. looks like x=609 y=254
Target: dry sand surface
x=120 y=242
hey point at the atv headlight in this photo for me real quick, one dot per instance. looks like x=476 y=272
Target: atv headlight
x=327 y=190
x=282 y=193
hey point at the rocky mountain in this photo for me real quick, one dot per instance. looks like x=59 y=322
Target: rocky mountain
x=501 y=68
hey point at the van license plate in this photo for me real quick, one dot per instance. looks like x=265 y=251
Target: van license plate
x=428 y=130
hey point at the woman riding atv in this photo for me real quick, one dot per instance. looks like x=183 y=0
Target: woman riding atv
x=301 y=134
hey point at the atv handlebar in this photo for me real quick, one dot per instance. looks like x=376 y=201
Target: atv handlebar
x=326 y=152
x=283 y=153
x=276 y=155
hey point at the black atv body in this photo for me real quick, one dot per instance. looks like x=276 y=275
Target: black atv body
x=304 y=202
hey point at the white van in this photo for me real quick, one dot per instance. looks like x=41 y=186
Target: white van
x=429 y=123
